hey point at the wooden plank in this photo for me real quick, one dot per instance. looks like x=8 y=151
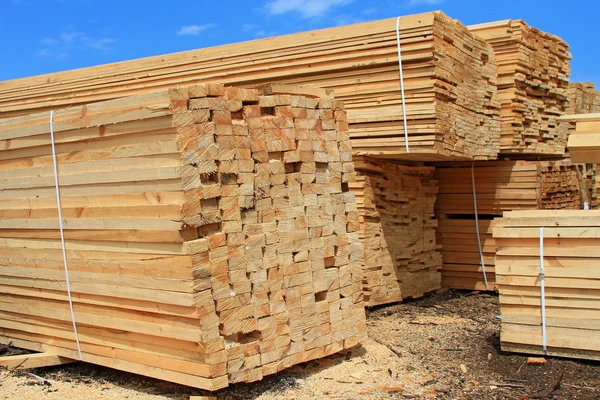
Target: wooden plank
x=35 y=360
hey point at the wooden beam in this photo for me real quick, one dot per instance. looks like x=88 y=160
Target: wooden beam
x=35 y=360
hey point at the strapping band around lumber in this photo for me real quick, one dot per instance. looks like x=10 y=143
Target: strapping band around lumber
x=402 y=86
x=62 y=234
x=485 y=281
x=542 y=277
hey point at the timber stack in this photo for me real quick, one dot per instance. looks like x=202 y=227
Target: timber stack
x=584 y=98
x=210 y=234
x=568 y=248
x=584 y=140
x=449 y=75
x=498 y=187
x=533 y=71
x=397 y=230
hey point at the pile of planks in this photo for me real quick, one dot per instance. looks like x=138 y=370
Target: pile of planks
x=584 y=140
x=583 y=98
x=210 y=234
x=499 y=186
x=449 y=76
x=571 y=260
x=397 y=230
x=533 y=71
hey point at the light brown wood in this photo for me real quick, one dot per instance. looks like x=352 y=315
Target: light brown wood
x=533 y=71
x=571 y=281
x=500 y=186
x=35 y=360
x=584 y=98
x=452 y=113
x=397 y=230
x=584 y=140
x=210 y=233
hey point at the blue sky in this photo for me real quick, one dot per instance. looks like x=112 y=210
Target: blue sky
x=41 y=36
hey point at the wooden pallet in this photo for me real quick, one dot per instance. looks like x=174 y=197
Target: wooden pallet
x=452 y=112
x=500 y=186
x=210 y=234
x=397 y=230
x=533 y=75
x=572 y=276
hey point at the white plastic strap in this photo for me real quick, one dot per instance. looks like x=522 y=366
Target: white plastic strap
x=402 y=85
x=62 y=233
x=477 y=227
x=542 y=277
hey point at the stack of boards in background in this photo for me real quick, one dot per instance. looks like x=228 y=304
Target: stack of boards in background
x=210 y=234
x=449 y=77
x=533 y=76
x=571 y=251
x=397 y=230
x=584 y=140
x=499 y=186
x=583 y=98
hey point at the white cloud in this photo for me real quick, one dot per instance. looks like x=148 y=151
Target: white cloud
x=416 y=3
x=69 y=40
x=69 y=36
x=193 y=29
x=47 y=53
x=99 y=43
x=306 y=8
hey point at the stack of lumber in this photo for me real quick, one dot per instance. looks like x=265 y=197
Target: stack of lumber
x=584 y=140
x=500 y=186
x=210 y=234
x=583 y=98
x=449 y=76
x=571 y=249
x=397 y=230
x=533 y=72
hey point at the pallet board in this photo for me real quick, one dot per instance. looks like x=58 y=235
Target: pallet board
x=397 y=230
x=452 y=112
x=533 y=76
x=210 y=234
x=500 y=186
x=572 y=282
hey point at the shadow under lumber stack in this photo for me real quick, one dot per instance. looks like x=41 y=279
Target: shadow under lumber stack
x=397 y=230
x=449 y=75
x=500 y=186
x=571 y=251
x=210 y=235
x=533 y=75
